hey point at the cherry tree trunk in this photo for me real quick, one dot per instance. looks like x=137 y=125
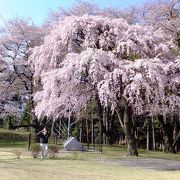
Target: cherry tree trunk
x=153 y=134
x=33 y=119
x=166 y=136
x=87 y=132
x=176 y=135
x=147 y=136
x=129 y=131
x=105 y=126
x=100 y=113
x=81 y=131
x=92 y=132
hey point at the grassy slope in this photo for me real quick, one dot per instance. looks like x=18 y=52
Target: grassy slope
x=84 y=166
x=31 y=169
x=113 y=152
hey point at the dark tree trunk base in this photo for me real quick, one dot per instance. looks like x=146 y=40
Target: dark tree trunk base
x=132 y=151
x=129 y=129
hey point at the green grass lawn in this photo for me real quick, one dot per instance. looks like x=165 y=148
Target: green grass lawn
x=31 y=169
x=79 y=166
x=109 y=152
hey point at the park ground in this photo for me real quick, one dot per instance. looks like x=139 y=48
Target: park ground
x=111 y=164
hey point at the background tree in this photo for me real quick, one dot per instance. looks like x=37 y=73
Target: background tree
x=81 y=8
x=16 y=38
x=163 y=14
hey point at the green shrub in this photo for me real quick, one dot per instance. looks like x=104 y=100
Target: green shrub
x=17 y=153
x=53 y=150
x=75 y=156
x=35 y=150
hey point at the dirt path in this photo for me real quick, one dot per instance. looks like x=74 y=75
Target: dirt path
x=147 y=163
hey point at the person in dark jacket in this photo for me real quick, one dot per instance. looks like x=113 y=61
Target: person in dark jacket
x=44 y=135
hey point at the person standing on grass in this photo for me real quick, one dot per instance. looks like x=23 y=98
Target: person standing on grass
x=44 y=135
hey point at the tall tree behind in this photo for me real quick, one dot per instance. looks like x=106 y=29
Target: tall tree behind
x=81 y=8
x=163 y=14
x=16 y=38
